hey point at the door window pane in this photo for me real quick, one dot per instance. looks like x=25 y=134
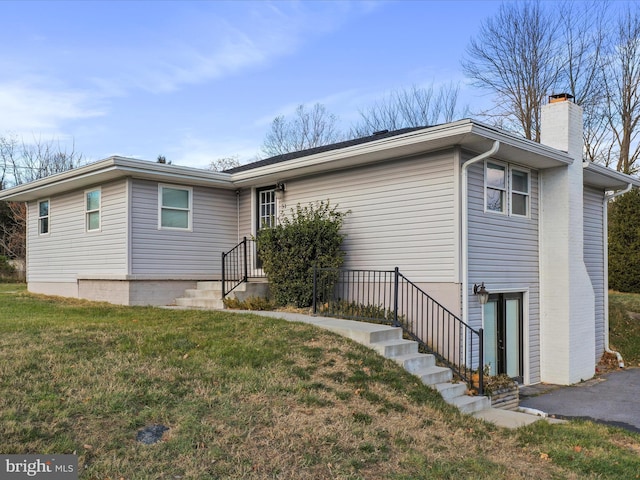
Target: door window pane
x=491 y=337
x=512 y=334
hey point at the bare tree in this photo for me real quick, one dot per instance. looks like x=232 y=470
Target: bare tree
x=409 y=107
x=584 y=37
x=30 y=161
x=224 y=163
x=517 y=57
x=307 y=129
x=23 y=162
x=623 y=92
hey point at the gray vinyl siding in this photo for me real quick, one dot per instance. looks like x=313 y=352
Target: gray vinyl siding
x=171 y=252
x=68 y=251
x=503 y=253
x=402 y=214
x=594 y=257
x=246 y=229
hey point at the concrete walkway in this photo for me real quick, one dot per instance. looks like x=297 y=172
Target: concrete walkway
x=372 y=335
x=612 y=399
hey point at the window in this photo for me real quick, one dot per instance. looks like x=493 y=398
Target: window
x=92 y=210
x=43 y=217
x=266 y=208
x=519 y=192
x=507 y=189
x=174 y=207
x=496 y=187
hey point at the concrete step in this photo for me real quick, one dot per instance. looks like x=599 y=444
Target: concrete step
x=215 y=303
x=200 y=293
x=450 y=390
x=435 y=375
x=414 y=362
x=468 y=404
x=210 y=285
x=395 y=348
x=362 y=332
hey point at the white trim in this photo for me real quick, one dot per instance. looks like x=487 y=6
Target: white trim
x=87 y=211
x=189 y=228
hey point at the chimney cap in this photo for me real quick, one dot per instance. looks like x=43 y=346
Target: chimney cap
x=560 y=97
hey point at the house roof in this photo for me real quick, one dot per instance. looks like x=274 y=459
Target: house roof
x=113 y=168
x=466 y=134
x=324 y=148
x=605 y=178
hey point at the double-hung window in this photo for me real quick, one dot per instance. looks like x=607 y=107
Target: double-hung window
x=43 y=217
x=496 y=190
x=507 y=189
x=174 y=207
x=519 y=192
x=92 y=199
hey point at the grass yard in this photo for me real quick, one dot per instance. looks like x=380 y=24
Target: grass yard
x=624 y=326
x=250 y=397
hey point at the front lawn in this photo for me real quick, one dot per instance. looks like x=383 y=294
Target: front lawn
x=251 y=397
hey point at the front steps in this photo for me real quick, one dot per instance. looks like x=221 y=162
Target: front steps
x=405 y=353
x=208 y=295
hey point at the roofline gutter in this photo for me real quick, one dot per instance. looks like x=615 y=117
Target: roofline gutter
x=605 y=252
x=465 y=227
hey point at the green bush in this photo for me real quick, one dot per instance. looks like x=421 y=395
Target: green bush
x=624 y=242
x=306 y=238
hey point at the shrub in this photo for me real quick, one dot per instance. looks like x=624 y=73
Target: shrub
x=306 y=238
x=624 y=243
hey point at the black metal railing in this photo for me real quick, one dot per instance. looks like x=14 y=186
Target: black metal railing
x=387 y=296
x=238 y=265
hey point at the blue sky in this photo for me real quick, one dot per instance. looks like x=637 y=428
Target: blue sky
x=196 y=81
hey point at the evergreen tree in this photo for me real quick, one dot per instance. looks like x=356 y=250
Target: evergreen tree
x=624 y=243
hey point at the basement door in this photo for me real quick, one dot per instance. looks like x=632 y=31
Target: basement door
x=503 y=344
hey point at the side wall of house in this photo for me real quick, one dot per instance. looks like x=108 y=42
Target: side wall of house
x=594 y=257
x=182 y=254
x=403 y=213
x=503 y=253
x=55 y=260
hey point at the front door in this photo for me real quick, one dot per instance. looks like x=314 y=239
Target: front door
x=266 y=212
x=503 y=346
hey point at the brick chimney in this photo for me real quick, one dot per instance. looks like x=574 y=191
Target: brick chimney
x=567 y=300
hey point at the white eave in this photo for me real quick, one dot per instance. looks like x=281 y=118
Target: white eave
x=467 y=134
x=114 y=168
x=606 y=178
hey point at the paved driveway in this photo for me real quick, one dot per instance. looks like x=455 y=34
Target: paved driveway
x=612 y=398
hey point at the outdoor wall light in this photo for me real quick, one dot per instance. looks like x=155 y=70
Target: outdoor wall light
x=481 y=292
x=280 y=186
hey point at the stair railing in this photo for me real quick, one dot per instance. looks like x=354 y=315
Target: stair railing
x=388 y=297
x=237 y=266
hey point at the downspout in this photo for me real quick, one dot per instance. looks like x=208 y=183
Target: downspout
x=605 y=250
x=465 y=227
